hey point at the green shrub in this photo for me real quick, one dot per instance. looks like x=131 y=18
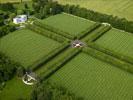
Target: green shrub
x=88 y=30
x=47 y=33
x=55 y=30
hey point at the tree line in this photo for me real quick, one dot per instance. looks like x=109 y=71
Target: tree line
x=46 y=8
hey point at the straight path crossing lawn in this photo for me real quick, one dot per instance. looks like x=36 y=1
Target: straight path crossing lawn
x=26 y=46
x=93 y=79
x=15 y=89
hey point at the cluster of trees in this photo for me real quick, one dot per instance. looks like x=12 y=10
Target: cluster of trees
x=47 y=33
x=7 y=69
x=49 y=56
x=55 y=30
x=45 y=8
x=72 y=52
x=51 y=91
x=5 y=29
x=7 y=12
x=108 y=58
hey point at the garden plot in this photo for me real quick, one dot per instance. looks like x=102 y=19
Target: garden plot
x=119 y=41
x=93 y=79
x=68 y=23
x=25 y=46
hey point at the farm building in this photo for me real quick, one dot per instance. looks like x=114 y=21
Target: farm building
x=20 y=19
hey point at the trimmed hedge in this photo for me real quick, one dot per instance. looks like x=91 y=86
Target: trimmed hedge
x=88 y=30
x=111 y=53
x=55 y=30
x=97 y=33
x=49 y=56
x=47 y=33
x=109 y=59
x=55 y=66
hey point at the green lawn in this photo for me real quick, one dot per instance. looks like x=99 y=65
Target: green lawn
x=94 y=80
x=26 y=47
x=121 y=8
x=15 y=89
x=68 y=23
x=118 y=41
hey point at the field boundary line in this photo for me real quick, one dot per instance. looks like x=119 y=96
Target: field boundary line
x=59 y=64
x=37 y=64
x=111 y=53
x=108 y=59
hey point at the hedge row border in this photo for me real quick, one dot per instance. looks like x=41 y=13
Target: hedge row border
x=111 y=53
x=108 y=59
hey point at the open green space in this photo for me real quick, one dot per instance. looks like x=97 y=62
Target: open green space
x=121 y=8
x=26 y=47
x=15 y=89
x=68 y=23
x=94 y=80
x=118 y=41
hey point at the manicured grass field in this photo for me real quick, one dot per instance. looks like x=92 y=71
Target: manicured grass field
x=118 y=41
x=26 y=47
x=94 y=80
x=15 y=89
x=68 y=23
x=121 y=8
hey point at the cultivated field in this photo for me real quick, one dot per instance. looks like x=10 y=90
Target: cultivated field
x=26 y=47
x=94 y=80
x=68 y=23
x=118 y=41
x=121 y=8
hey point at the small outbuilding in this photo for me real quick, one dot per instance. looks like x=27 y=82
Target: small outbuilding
x=20 y=19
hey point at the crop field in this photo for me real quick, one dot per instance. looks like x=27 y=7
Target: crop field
x=93 y=79
x=26 y=47
x=68 y=23
x=121 y=8
x=118 y=41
